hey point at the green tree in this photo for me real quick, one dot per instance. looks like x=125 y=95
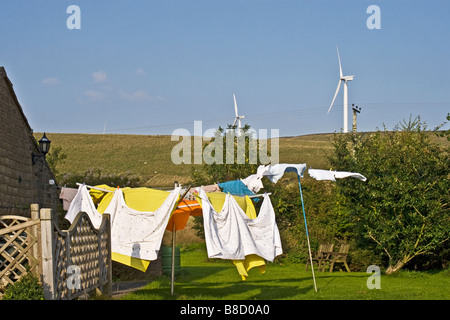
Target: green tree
x=223 y=170
x=241 y=150
x=403 y=206
x=55 y=158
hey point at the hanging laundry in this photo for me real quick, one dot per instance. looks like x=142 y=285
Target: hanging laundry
x=211 y=188
x=275 y=172
x=231 y=234
x=83 y=202
x=67 y=195
x=235 y=187
x=252 y=260
x=253 y=183
x=140 y=199
x=320 y=174
x=135 y=233
x=343 y=174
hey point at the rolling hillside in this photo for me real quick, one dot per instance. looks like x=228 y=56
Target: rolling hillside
x=150 y=156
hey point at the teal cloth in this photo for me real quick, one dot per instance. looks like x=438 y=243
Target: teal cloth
x=236 y=188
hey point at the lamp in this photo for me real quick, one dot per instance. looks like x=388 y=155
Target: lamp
x=44 y=147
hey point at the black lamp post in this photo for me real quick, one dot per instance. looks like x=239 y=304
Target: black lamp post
x=44 y=147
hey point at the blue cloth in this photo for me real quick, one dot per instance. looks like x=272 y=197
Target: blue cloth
x=236 y=188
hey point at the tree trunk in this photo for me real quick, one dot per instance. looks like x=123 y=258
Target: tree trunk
x=394 y=268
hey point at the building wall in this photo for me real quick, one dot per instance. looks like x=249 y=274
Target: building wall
x=21 y=182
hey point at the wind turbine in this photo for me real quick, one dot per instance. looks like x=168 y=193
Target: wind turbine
x=344 y=79
x=238 y=117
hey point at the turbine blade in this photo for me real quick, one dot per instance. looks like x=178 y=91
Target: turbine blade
x=337 y=90
x=234 y=123
x=235 y=105
x=340 y=67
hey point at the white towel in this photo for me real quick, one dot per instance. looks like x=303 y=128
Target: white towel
x=231 y=234
x=343 y=174
x=83 y=202
x=139 y=234
x=253 y=183
x=320 y=174
x=275 y=172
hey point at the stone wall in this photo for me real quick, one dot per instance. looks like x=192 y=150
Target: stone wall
x=21 y=181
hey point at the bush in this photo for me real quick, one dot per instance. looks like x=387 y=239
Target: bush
x=402 y=208
x=27 y=288
x=96 y=176
x=360 y=259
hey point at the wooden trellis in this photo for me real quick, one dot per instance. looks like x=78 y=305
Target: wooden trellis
x=70 y=262
x=19 y=247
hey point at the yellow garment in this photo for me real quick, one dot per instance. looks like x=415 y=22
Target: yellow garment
x=217 y=200
x=252 y=260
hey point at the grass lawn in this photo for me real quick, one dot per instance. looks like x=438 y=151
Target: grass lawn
x=219 y=280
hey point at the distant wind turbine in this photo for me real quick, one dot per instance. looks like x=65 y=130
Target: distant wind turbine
x=344 y=79
x=238 y=117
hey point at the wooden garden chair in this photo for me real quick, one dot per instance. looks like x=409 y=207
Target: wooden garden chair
x=321 y=257
x=340 y=257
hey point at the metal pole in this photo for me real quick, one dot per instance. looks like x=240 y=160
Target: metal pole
x=172 y=280
x=307 y=234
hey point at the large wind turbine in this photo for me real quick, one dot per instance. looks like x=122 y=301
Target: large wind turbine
x=238 y=117
x=344 y=79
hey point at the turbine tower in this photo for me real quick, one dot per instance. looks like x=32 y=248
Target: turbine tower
x=238 y=117
x=344 y=79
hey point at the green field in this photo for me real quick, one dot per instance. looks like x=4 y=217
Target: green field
x=203 y=279
x=150 y=156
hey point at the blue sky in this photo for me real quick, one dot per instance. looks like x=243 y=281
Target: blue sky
x=150 y=67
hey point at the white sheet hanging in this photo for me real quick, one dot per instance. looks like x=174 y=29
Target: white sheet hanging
x=83 y=202
x=135 y=233
x=320 y=174
x=231 y=234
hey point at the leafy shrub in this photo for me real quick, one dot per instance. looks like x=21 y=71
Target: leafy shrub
x=27 y=288
x=96 y=176
x=360 y=259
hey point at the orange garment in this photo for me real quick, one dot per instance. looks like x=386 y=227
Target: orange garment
x=180 y=216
